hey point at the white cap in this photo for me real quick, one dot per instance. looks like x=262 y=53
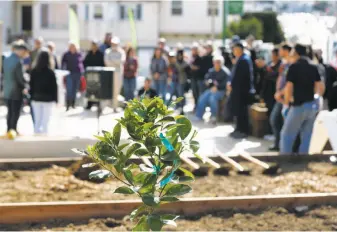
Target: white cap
x=115 y=40
x=180 y=46
x=195 y=45
x=162 y=40
x=218 y=58
x=172 y=54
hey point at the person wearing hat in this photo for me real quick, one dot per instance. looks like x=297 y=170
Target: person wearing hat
x=300 y=108
x=14 y=84
x=207 y=60
x=72 y=61
x=241 y=89
x=163 y=47
x=94 y=58
x=115 y=57
x=216 y=81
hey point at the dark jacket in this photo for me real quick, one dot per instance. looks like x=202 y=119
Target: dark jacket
x=94 y=59
x=218 y=79
x=43 y=86
x=14 y=82
x=56 y=63
x=72 y=62
x=197 y=74
x=206 y=64
x=242 y=83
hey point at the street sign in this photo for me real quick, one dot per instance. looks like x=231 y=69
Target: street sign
x=235 y=7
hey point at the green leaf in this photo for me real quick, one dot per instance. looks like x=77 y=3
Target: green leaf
x=132 y=166
x=184 y=130
x=179 y=99
x=168 y=199
x=186 y=172
x=89 y=165
x=140 y=178
x=194 y=145
x=121 y=147
x=199 y=157
x=141 y=152
x=147 y=126
x=99 y=174
x=116 y=135
x=170 y=156
x=155 y=222
x=132 y=149
x=167 y=119
x=148 y=184
x=128 y=176
x=138 y=211
x=101 y=138
x=194 y=135
x=152 y=142
x=150 y=200
x=186 y=179
x=124 y=190
x=178 y=190
x=142 y=225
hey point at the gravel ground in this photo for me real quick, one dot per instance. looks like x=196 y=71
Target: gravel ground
x=323 y=218
x=57 y=184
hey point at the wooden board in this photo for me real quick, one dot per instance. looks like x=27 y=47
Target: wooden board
x=12 y=213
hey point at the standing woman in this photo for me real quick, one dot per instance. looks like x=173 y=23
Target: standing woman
x=159 y=72
x=43 y=91
x=130 y=73
x=72 y=61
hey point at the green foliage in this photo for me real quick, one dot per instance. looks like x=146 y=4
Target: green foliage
x=272 y=31
x=245 y=27
x=155 y=133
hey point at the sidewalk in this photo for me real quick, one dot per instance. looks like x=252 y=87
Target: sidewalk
x=77 y=127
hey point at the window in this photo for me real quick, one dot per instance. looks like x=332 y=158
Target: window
x=54 y=15
x=137 y=11
x=98 y=11
x=176 y=7
x=86 y=16
x=213 y=8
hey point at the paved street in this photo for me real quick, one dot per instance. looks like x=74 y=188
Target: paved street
x=77 y=127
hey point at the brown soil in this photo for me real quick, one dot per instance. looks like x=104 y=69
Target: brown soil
x=57 y=184
x=323 y=218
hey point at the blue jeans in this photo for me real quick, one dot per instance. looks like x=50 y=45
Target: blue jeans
x=300 y=120
x=129 y=86
x=42 y=113
x=276 y=122
x=211 y=99
x=176 y=89
x=160 y=87
x=73 y=81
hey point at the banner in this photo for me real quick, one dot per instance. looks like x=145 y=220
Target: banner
x=133 y=28
x=74 y=27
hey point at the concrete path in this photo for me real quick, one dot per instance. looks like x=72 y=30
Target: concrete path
x=77 y=127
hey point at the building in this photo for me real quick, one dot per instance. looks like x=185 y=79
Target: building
x=176 y=20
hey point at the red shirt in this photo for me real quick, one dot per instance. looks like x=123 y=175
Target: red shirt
x=130 y=68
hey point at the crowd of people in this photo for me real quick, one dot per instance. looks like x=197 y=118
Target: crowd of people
x=289 y=85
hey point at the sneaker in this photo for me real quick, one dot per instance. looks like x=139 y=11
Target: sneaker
x=274 y=148
x=234 y=133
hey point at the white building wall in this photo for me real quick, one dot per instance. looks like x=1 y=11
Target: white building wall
x=7 y=18
x=147 y=27
x=194 y=19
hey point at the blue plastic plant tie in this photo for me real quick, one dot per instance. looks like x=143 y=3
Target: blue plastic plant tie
x=166 y=142
x=156 y=169
x=166 y=180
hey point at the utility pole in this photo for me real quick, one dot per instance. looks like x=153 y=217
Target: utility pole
x=213 y=11
x=224 y=19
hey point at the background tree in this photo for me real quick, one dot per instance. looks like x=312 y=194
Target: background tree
x=272 y=30
x=245 y=27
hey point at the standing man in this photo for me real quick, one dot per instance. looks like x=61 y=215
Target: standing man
x=270 y=73
x=300 y=107
x=51 y=48
x=107 y=43
x=38 y=43
x=94 y=58
x=197 y=79
x=115 y=57
x=242 y=89
x=206 y=61
x=14 y=84
x=73 y=62
x=163 y=47
x=276 y=119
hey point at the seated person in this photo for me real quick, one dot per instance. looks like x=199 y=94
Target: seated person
x=147 y=91
x=216 y=80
